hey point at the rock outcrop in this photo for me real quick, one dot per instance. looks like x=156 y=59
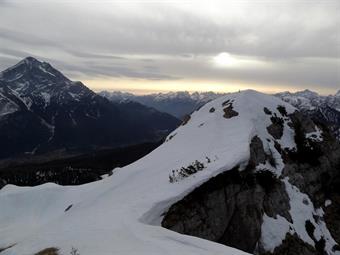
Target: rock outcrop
x=231 y=207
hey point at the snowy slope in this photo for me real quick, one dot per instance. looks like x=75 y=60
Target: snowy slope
x=122 y=213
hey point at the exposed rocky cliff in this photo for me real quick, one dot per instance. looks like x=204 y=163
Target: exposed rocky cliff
x=250 y=208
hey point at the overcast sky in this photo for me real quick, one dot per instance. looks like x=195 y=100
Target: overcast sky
x=145 y=46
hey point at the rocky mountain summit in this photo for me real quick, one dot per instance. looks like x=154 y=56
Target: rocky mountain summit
x=41 y=111
x=246 y=173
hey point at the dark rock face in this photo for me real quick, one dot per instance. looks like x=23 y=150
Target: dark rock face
x=229 y=208
x=292 y=245
x=276 y=128
x=229 y=112
x=185 y=120
x=314 y=167
x=267 y=111
x=257 y=153
x=332 y=218
x=221 y=210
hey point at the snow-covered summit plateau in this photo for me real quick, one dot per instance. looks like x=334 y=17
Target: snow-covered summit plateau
x=123 y=213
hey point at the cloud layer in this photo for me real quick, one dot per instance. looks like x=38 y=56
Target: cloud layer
x=284 y=43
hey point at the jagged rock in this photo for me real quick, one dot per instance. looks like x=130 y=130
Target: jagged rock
x=276 y=202
x=307 y=125
x=276 y=128
x=185 y=120
x=229 y=112
x=282 y=110
x=267 y=111
x=257 y=153
x=292 y=245
x=221 y=210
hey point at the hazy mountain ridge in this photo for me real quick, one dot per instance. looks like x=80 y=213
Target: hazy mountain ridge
x=323 y=108
x=177 y=104
x=42 y=110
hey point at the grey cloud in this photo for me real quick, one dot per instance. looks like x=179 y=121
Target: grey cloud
x=25 y=38
x=178 y=32
x=117 y=41
x=5 y=3
x=92 y=55
x=92 y=70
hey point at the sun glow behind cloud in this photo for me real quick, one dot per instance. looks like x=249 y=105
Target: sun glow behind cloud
x=227 y=60
x=224 y=59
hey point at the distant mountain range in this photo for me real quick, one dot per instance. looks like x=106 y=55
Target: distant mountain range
x=177 y=104
x=41 y=110
x=324 y=109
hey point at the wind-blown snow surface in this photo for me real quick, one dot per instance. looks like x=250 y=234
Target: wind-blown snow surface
x=122 y=213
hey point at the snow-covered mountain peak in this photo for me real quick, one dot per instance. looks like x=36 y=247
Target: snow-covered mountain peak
x=66 y=114
x=29 y=68
x=307 y=93
x=30 y=61
x=38 y=82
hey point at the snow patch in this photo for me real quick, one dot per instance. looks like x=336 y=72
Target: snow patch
x=46 y=97
x=302 y=209
x=328 y=203
x=315 y=136
x=45 y=71
x=274 y=231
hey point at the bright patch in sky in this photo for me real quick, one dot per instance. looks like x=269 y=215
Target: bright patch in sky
x=224 y=59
